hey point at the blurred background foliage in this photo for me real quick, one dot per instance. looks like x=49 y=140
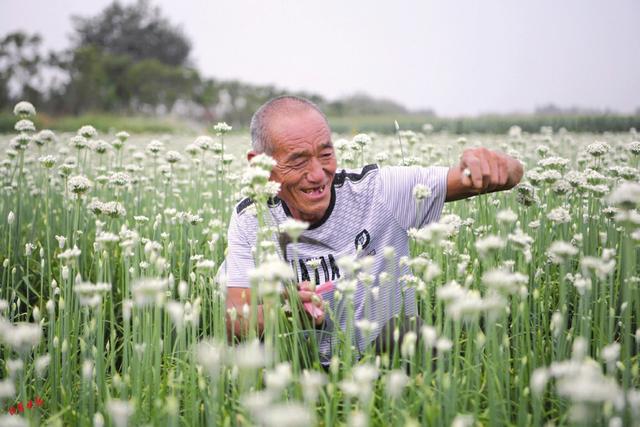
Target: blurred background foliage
x=129 y=67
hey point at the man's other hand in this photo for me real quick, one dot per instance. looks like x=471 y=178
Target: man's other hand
x=482 y=171
x=313 y=302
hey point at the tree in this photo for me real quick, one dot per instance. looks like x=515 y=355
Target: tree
x=124 y=58
x=137 y=31
x=20 y=66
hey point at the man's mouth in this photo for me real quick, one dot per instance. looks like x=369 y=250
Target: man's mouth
x=315 y=191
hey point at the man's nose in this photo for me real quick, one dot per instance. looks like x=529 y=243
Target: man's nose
x=315 y=173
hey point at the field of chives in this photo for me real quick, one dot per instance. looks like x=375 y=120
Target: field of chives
x=111 y=314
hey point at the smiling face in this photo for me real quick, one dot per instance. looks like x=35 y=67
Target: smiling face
x=306 y=162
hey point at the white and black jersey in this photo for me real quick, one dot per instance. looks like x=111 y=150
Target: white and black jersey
x=370 y=208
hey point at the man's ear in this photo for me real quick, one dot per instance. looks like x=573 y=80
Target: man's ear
x=251 y=154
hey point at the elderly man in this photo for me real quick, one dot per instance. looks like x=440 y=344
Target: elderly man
x=361 y=212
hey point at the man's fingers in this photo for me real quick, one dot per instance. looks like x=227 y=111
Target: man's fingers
x=475 y=167
x=483 y=170
x=465 y=176
x=306 y=286
x=487 y=171
x=503 y=170
x=312 y=297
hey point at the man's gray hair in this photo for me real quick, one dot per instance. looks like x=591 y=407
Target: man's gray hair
x=260 y=136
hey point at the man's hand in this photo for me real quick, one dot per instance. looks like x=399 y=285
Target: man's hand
x=314 y=303
x=238 y=297
x=482 y=171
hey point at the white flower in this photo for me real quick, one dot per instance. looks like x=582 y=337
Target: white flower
x=22 y=337
x=443 y=345
x=87 y=131
x=254 y=176
x=263 y=161
x=148 y=291
x=559 y=215
x=585 y=383
x=396 y=381
x=24 y=109
x=155 y=146
x=286 y=415
x=173 y=156
x=7 y=389
x=362 y=139
x=120 y=179
x=556 y=324
x=312 y=382
x=98 y=420
x=48 y=161
x=626 y=196
x=119 y=411
x=210 y=355
x=41 y=364
x=507 y=216
x=463 y=420
x=360 y=383
x=520 y=239
x=611 y=353
x=9 y=420
x=539 y=380
x=293 y=227
x=489 y=245
x=270 y=275
x=249 y=355
x=450 y=292
x=221 y=128
x=69 y=254
x=122 y=136
x=421 y=192
x=90 y=294
x=203 y=142
x=560 y=251
x=366 y=326
x=408 y=347
x=432 y=233
x=279 y=378
x=113 y=209
x=176 y=313
x=598 y=148
x=504 y=281
x=205 y=264
x=45 y=135
x=87 y=370
x=100 y=146
x=553 y=162
x=79 y=184
x=599 y=266
x=25 y=125
x=429 y=335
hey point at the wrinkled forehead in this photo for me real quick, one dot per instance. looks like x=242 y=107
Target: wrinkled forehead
x=301 y=127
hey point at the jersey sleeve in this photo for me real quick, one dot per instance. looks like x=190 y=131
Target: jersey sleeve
x=234 y=271
x=397 y=184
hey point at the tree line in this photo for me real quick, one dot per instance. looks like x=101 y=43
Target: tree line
x=130 y=58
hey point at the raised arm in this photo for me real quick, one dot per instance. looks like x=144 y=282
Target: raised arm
x=488 y=171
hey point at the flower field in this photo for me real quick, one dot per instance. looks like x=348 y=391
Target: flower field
x=111 y=312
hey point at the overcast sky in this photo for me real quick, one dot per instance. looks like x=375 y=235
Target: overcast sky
x=457 y=57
